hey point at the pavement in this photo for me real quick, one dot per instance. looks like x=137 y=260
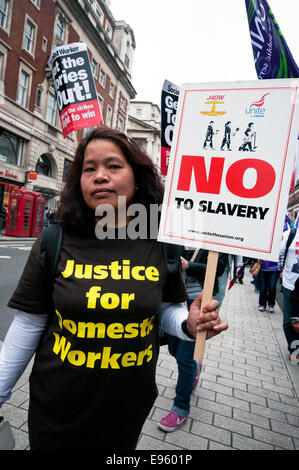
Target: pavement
x=247 y=397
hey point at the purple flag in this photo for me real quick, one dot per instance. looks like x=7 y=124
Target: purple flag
x=272 y=56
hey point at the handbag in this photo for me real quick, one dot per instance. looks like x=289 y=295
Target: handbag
x=255 y=268
x=7 y=441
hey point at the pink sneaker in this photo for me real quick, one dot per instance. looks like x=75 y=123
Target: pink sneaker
x=196 y=378
x=171 y=422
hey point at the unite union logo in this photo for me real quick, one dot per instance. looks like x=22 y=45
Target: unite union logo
x=256 y=109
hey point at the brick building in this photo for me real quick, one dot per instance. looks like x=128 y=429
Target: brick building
x=30 y=133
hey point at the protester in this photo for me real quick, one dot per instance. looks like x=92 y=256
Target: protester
x=234 y=270
x=47 y=214
x=95 y=330
x=289 y=262
x=255 y=277
x=268 y=276
x=294 y=317
x=238 y=268
x=183 y=351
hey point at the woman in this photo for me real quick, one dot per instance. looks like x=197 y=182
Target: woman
x=268 y=276
x=96 y=329
x=188 y=369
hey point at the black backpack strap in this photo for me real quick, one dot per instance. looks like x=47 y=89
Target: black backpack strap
x=52 y=240
x=290 y=239
x=172 y=254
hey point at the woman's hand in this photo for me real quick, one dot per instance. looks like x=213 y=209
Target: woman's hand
x=208 y=320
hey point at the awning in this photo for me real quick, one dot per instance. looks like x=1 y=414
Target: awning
x=46 y=191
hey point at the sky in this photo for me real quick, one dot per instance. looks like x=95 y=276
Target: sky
x=193 y=41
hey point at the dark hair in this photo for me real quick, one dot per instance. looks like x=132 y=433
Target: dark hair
x=74 y=214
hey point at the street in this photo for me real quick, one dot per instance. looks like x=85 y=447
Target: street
x=13 y=256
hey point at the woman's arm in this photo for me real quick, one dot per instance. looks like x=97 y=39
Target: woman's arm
x=20 y=344
x=175 y=319
x=171 y=318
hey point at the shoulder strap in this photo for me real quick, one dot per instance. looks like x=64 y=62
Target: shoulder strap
x=52 y=240
x=290 y=239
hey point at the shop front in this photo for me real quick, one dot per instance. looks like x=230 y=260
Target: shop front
x=12 y=176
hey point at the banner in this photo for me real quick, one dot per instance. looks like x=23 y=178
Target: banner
x=169 y=101
x=230 y=167
x=272 y=56
x=75 y=89
x=288 y=224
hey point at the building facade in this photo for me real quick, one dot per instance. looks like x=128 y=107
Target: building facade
x=144 y=124
x=30 y=133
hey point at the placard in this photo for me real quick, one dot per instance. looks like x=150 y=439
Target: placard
x=76 y=95
x=169 y=101
x=230 y=167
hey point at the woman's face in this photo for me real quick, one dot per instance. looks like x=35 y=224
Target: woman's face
x=106 y=175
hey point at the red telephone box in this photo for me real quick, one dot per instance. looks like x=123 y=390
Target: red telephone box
x=38 y=215
x=19 y=214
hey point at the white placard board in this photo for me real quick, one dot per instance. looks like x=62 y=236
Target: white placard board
x=230 y=167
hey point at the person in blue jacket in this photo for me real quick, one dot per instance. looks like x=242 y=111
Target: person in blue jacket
x=269 y=274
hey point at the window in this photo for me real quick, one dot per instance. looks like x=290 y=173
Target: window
x=102 y=78
x=111 y=90
x=11 y=148
x=2 y=73
x=29 y=36
x=120 y=123
x=108 y=29
x=66 y=169
x=101 y=103
x=1 y=65
x=4 y=13
x=108 y=116
x=60 y=28
x=127 y=54
x=139 y=111
x=122 y=103
x=38 y=100
x=94 y=68
x=99 y=14
x=141 y=143
x=43 y=166
x=51 y=110
x=44 y=44
x=36 y=3
x=23 y=88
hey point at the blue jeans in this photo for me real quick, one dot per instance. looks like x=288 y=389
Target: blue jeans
x=268 y=280
x=183 y=352
x=289 y=332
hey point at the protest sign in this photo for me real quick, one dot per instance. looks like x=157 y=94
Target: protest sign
x=230 y=168
x=74 y=86
x=169 y=101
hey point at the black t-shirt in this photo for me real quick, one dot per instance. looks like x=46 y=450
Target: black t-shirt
x=93 y=379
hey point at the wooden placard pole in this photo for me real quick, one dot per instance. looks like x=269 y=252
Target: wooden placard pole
x=207 y=296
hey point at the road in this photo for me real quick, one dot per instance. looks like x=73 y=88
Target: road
x=13 y=256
